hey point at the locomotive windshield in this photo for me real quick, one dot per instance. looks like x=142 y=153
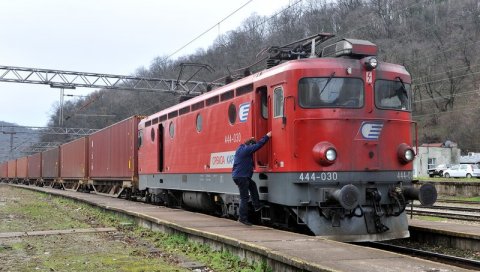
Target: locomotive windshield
x=330 y=92
x=393 y=95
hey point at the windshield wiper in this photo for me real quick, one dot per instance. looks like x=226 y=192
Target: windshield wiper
x=325 y=86
x=404 y=88
x=403 y=96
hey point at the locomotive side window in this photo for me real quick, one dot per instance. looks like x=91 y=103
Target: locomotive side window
x=171 y=129
x=232 y=113
x=263 y=93
x=278 y=102
x=140 y=137
x=152 y=134
x=199 y=122
x=393 y=95
x=328 y=92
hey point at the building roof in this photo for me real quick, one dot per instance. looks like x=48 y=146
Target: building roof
x=446 y=144
x=433 y=145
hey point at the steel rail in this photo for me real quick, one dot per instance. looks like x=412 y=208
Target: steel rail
x=442 y=258
x=450 y=208
x=465 y=217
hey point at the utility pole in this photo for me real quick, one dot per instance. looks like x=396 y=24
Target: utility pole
x=11 y=142
x=62 y=99
x=60 y=119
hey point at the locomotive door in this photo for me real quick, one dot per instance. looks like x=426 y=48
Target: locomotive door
x=261 y=124
x=160 y=148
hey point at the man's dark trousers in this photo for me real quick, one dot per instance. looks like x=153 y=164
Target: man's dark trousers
x=245 y=185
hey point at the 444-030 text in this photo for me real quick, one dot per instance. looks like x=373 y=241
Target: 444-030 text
x=322 y=176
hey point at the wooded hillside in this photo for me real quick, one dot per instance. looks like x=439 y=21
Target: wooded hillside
x=436 y=40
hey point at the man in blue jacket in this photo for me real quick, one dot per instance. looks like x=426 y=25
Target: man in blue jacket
x=242 y=173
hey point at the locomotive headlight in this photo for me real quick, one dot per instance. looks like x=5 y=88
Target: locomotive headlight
x=371 y=63
x=405 y=153
x=409 y=154
x=331 y=154
x=324 y=153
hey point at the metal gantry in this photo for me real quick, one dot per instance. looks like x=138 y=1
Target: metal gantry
x=34 y=147
x=71 y=79
x=47 y=130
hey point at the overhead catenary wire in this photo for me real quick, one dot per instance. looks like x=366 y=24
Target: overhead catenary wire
x=466 y=108
x=339 y=36
x=448 y=71
x=208 y=30
x=447 y=78
x=411 y=61
x=454 y=95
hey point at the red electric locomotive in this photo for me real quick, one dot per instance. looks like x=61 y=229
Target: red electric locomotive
x=340 y=159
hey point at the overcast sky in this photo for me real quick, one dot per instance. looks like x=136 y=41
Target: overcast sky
x=102 y=36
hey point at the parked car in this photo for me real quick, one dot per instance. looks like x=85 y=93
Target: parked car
x=462 y=171
x=438 y=170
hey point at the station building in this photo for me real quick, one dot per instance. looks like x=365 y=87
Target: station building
x=433 y=154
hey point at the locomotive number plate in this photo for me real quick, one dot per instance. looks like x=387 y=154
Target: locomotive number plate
x=404 y=175
x=322 y=176
x=233 y=138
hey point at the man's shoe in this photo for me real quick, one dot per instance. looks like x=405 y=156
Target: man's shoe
x=245 y=222
x=257 y=209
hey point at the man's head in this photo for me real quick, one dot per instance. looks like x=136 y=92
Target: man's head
x=250 y=141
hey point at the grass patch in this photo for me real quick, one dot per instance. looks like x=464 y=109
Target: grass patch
x=29 y=211
x=217 y=260
x=429 y=218
x=472 y=199
x=87 y=252
x=53 y=212
x=442 y=179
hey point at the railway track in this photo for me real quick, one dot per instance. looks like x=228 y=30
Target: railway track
x=455 y=201
x=453 y=209
x=433 y=256
x=450 y=208
x=470 y=218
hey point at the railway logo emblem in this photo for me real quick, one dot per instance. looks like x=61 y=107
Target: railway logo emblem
x=243 y=111
x=370 y=130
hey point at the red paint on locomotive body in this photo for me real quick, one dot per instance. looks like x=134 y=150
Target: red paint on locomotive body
x=290 y=149
x=183 y=148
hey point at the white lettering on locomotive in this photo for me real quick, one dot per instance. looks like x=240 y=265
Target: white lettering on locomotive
x=222 y=160
x=322 y=176
x=404 y=175
x=233 y=138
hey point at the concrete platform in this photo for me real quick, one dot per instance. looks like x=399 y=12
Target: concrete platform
x=461 y=230
x=283 y=251
x=461 y=236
